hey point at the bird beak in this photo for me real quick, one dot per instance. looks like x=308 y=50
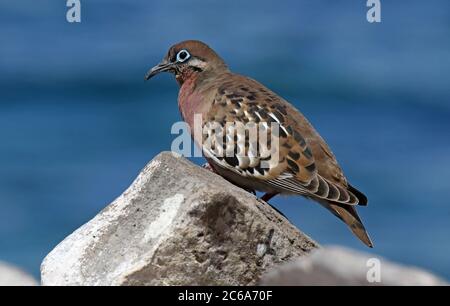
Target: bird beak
x=161 y=67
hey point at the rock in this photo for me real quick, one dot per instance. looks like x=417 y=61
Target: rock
x=13 y=276
x=177 y=224
x=333 y=266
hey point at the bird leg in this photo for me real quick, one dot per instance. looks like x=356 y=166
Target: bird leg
x=268 y=195
x=252 y=191
x=208 y=166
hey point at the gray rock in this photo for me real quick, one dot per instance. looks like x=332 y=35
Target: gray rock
x=177 y=224
x=13 y=276
x=333 y=266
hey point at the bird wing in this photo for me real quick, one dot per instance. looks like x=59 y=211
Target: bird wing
x=290 y=166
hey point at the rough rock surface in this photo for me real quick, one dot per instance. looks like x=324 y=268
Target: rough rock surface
x=339 y=266
x=12 y=276
x=177 y=224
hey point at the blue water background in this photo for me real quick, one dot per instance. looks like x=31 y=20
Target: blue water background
x=77 y=121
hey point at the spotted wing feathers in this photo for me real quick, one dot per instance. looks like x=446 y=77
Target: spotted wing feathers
x=285 y=161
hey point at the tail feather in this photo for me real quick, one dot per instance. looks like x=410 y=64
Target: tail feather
x=350 y=217
x=361 y=197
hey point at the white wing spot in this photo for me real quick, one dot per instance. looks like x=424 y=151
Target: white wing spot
x=274 y=118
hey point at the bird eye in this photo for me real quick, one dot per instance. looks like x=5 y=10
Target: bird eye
x=182 y=56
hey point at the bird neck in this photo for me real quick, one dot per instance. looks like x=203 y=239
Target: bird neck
x=189 y=101
x=195 y=95
x=186 y=75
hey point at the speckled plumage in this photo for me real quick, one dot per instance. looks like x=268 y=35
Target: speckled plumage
x=305 y=165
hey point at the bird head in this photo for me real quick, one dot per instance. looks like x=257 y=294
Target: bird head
x=188 y=59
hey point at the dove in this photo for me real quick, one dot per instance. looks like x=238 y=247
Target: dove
x=305 y=165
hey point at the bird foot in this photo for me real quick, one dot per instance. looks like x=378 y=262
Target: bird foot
x=269 y=195
x=208 y=166
x=250 y=191
x=278 y=211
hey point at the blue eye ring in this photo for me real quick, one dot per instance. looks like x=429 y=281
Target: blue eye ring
x=183 y=55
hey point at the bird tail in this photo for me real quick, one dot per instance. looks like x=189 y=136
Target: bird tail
x=348 y=214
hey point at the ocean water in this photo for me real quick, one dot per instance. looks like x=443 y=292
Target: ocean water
x=77 y=121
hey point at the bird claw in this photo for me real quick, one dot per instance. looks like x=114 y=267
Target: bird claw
x=252 y=191
x=267 y=196
x=208 y=166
